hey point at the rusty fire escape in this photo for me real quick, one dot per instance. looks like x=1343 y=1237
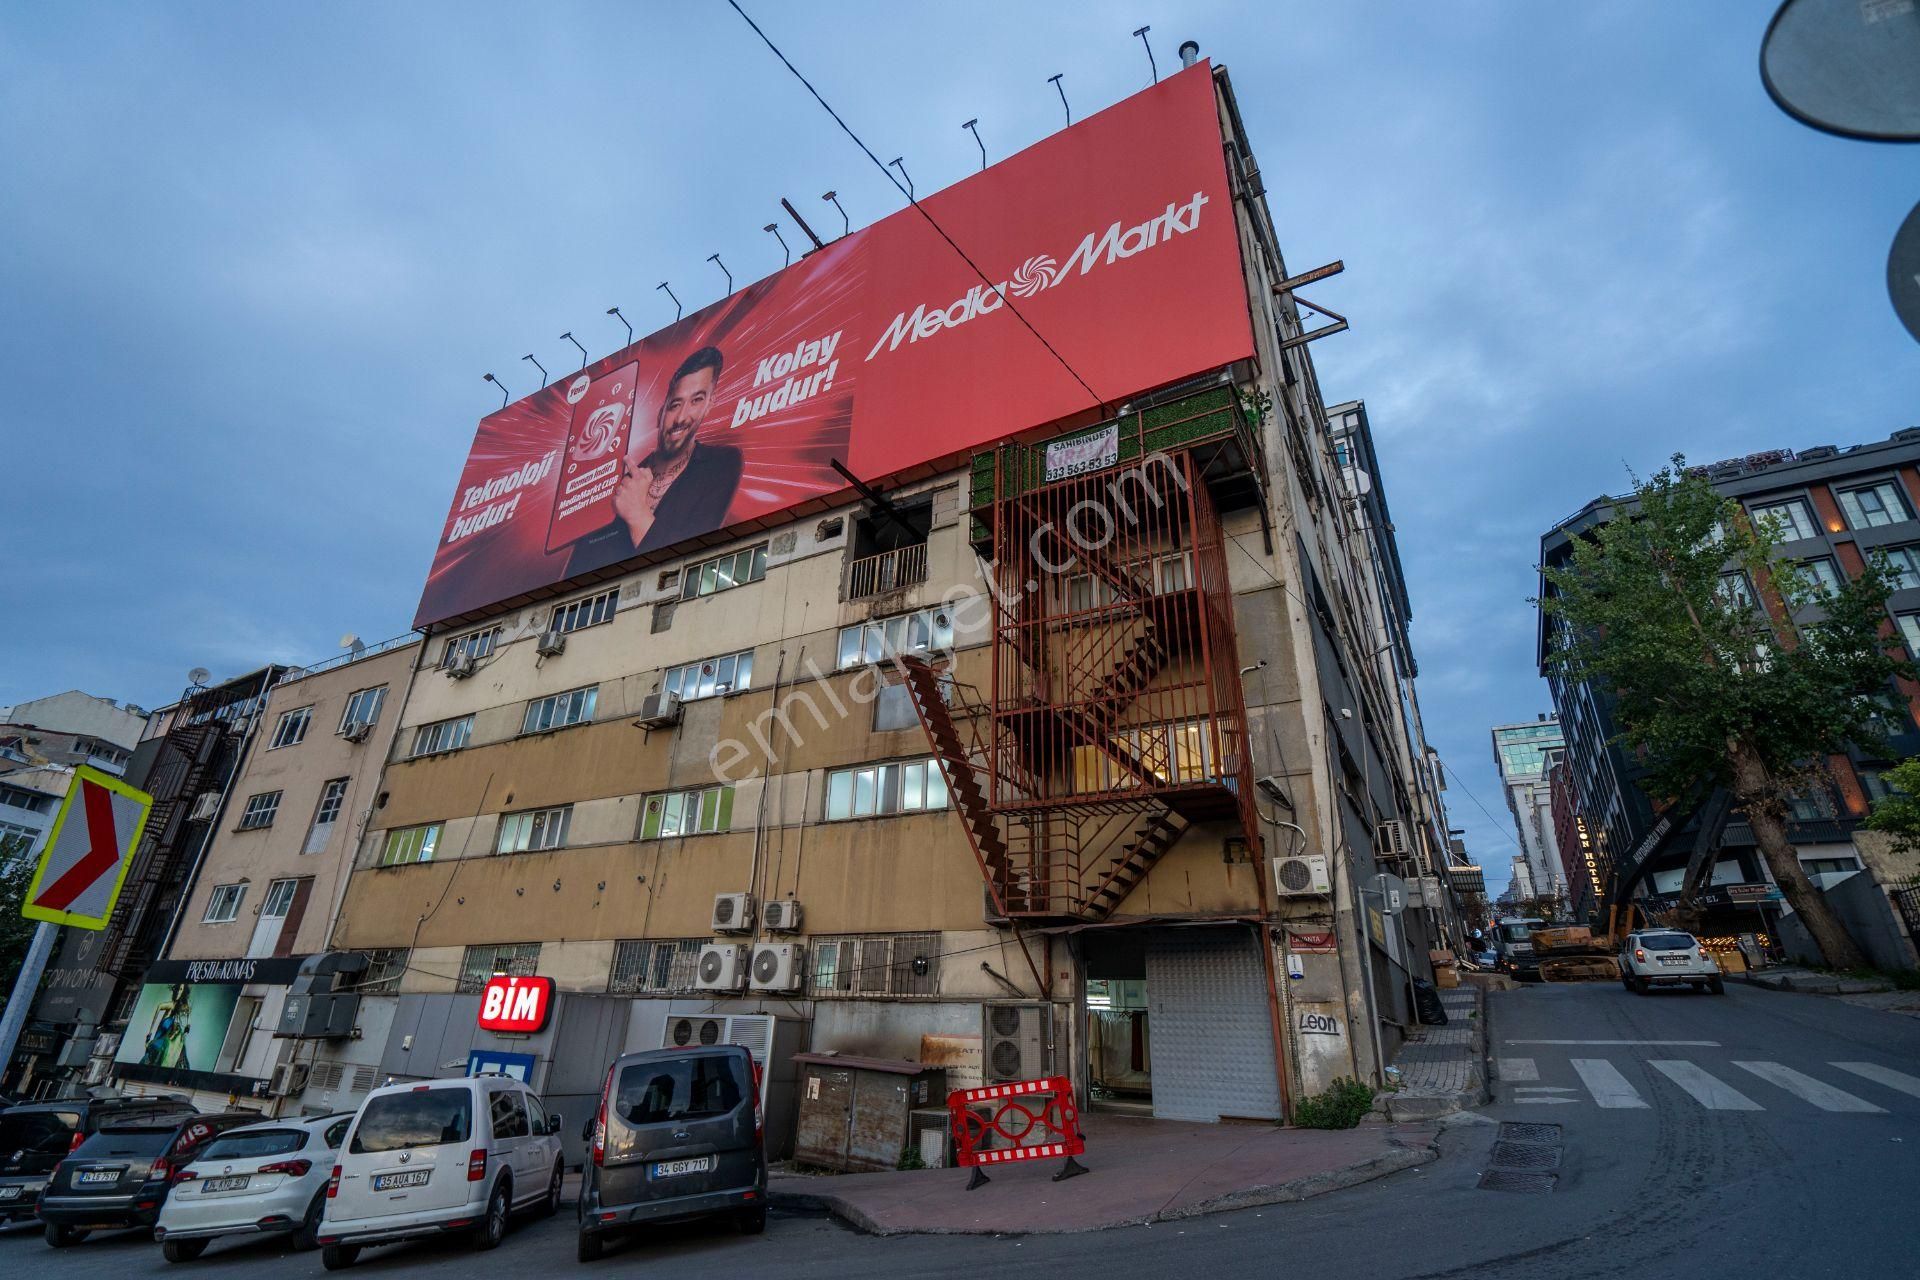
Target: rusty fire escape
x=186 y=766
x=1114 y=719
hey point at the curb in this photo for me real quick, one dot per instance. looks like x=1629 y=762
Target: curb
x=1407 y=1155
x=1425 y=1108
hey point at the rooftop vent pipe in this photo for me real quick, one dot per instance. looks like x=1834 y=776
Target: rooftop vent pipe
x=1189 y=52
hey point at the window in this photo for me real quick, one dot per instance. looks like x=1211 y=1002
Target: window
x=591 y=612
x=260 y=811
x=1873 y=505
x=558 y=710
x=1816 y=866
x=735 y=569
x=475 y=645
x=655 y=965
x=97 y=751
x=878 y=789
x=714 y=675
x=1174 y=753
x=1791 y=519
x=1734 y=592
x=279 y=899
x=881 y=639
x=363 y=707
x=893 y=709
x=422 y=1117
x=900 y=964
x=333 y=797
x=687 y=813
x=1903 y=566
x=508 y=1113
x=514 y=959
x=1169 y=573
x=681 y=1090
x=410 y=844
x=384 y=968
x=1822 y=575
x=1810 y=804
x=533 y=829
x=442 y=735
x=292 y=727
x=1909 y=631
x=224 y=905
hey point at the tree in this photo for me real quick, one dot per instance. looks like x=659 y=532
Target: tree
x=1730 y=666
x=1898 y=812
x=16 y=931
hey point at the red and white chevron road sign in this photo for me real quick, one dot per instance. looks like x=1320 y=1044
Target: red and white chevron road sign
x=88 y=851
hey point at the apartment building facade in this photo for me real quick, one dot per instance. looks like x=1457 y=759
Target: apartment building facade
x=899 y=770
x=1520 y=751
x=1832 y=508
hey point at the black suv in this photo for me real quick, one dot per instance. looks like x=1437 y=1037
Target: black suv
x=35 y=1136
x=119 y=1177
x=678 y=1136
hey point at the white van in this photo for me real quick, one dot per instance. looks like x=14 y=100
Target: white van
x=444 y=1155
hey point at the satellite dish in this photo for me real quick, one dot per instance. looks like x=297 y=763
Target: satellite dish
x=1848 y=67
x=199 y=676
x=1903 y=273
x=353 y=642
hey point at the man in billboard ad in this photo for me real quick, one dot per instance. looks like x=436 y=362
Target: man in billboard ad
x=1102 y=262
x=672 y=492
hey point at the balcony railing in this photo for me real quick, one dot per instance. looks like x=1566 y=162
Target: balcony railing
x=888 y=571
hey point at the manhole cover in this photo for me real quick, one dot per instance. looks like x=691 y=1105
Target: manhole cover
x=1525 y=1155
x=1509 y=1180
x=1514 y=1131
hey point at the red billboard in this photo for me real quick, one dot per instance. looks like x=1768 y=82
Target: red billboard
x=1114 y=239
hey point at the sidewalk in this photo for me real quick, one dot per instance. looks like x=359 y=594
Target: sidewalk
x=1142 y=1171
x=1442 y=1068
x=1855 y=991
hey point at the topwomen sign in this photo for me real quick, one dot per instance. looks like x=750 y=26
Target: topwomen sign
x=1100 y=263
x=516 y=1006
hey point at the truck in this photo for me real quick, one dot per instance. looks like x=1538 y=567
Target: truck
x=1513 y=944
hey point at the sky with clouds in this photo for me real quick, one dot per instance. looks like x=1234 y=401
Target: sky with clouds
x=255 y=259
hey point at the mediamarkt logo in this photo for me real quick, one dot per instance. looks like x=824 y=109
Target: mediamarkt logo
x=1041 y=272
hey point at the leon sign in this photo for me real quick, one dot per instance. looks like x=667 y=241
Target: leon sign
x=88 y=851
x=517 y=1006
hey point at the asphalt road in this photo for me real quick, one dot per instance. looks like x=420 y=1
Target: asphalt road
x=1675 y=1162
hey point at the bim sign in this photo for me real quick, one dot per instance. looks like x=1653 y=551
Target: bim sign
x=518 y=1006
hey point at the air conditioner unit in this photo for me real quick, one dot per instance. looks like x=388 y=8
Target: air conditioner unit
x=551 y=644
x=732 y=912
x=782 y=915
x=205 y=805
x=107 y=1044
x=1302 y=877
x=1013 y=1039
x=462 y=666
x=289 y=1078
x=356 y=730
x=1390 y=840
x=658 y=710
x=722 y=967
x=1424 y=892
x=779 y=966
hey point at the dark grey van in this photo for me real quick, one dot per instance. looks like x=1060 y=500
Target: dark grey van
x=677 y=1137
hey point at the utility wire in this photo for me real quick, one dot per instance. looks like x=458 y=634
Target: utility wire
x=903 y=190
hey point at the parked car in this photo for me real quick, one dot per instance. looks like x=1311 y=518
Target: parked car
x=257 y=1178
x=36 y=1136
x=678 y=1136
x=1668 y=958
x=120 y=1176
x=446 y=1155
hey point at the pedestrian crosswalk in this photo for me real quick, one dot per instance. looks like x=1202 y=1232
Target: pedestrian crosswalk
x=1601 y=1082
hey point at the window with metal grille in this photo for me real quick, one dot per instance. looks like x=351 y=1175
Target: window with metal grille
x=558 y=710
x=729 y=674
x=224 y=905
x=291 y=728
x=655 y=965
x=442 y=735
x=899 y=964
x=590 y=612
x=698 y=812
x=475 y=645
x=876 y=790
x=735 y=569
x=384 y=968
x=260 y=810
x=533 y=829
x=884 y=638
x=514 y=959
x=363 y=707
x=410 y=844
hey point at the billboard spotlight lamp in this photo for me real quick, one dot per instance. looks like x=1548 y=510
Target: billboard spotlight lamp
x=568 y=335
x=504 y=397
x=615 y=313
x=833 y=198
x=774 y=227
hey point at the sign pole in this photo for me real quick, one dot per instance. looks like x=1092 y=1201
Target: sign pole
x=24 y=988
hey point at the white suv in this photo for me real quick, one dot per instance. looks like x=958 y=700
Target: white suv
x=1668 y=958
x=260 y=1177
x=440 y=1156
